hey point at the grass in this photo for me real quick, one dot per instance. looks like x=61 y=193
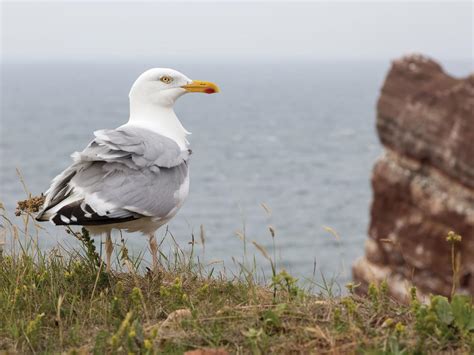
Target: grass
x=64 y=301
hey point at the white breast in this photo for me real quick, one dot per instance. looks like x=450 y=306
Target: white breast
x=180 y=195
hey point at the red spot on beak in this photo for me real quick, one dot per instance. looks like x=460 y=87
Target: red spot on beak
x=209 y=91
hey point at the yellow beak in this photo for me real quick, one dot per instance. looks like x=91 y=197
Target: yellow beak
x=201 y=86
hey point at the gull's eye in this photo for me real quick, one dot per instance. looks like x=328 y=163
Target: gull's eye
x=166 y=79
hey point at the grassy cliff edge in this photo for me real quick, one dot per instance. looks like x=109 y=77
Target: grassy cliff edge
x=60 y=301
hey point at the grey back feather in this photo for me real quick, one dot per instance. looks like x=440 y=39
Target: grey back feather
x=135 y=147
x=122 y=174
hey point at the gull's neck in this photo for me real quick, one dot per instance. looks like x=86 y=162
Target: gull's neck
x=160 y=119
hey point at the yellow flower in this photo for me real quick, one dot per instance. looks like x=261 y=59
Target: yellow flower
x=387 y=323
x=399 y=328
x=148 y=344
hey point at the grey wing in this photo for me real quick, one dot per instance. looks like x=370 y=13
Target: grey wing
x=134 y=147
x=122 y=175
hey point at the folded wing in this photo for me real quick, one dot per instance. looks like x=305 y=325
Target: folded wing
x=122 y=175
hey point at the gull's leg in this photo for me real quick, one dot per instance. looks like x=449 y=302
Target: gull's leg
x=154 y=250
x=109 y=248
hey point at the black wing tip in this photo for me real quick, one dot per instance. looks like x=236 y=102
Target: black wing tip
x=77 y=215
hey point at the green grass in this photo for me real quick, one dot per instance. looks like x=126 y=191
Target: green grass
x=64 y=301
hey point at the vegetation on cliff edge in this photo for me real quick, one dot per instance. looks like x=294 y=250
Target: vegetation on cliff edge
x=64 y=301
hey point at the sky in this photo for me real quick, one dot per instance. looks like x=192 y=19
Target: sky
x=66 y=30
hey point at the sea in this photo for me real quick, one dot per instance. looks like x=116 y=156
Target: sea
x=287 y=143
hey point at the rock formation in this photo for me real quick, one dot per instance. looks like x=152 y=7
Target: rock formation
x=423 y=185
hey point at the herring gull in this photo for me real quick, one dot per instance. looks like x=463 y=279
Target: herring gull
x=134 y=177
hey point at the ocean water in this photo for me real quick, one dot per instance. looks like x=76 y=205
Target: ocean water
x=297 y=136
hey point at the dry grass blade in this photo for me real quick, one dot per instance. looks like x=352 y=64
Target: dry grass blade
x=262 y=250
x=332 y=232
x=267 y=209
x=202 y=236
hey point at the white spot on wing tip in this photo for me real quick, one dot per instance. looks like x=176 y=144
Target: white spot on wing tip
x=64 y=219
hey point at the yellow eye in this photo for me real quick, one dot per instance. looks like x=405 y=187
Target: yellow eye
x=166 y=79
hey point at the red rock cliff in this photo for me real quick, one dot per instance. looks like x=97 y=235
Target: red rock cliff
x=423 y=185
